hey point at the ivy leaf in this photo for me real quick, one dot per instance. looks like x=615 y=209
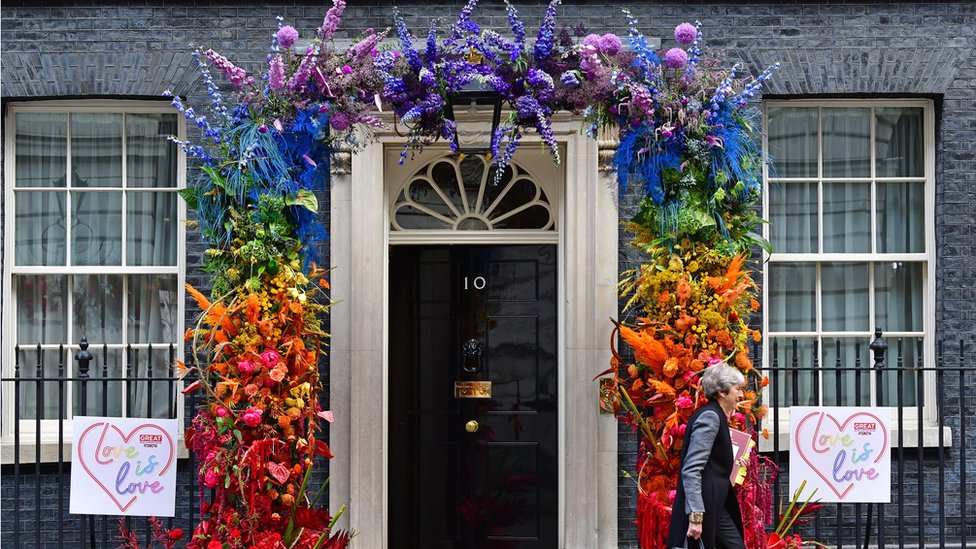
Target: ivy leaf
x=304 y=198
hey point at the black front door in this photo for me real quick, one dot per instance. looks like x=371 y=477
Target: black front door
x=468 y=470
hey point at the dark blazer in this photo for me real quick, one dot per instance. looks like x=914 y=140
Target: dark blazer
x=717 y=492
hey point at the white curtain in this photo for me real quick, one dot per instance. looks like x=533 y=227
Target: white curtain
x=95 y=196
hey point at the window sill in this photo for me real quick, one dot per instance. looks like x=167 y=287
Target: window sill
x=52 y=452
x=930 y=438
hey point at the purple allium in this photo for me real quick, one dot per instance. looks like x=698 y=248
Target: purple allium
x=570 y=79
x=676 y=58
x=610 y=44
x=287 y=36
x=685 y=33
x=592 y=40
x=340 y=121
x=276 y=73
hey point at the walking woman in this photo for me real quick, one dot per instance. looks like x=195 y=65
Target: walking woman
x=705 y=506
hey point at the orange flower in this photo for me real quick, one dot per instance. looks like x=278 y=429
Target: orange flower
x=647 y=349
x=671 y=367
x=743 y=361
x=765 y=434
x=664 y=298
x=683 y=291
x=765 y=381
x=754 y=304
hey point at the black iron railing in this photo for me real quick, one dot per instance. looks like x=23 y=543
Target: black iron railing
x=931 y=503
x=36 y=483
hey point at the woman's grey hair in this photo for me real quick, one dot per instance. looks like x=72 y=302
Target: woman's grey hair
x=719 y=379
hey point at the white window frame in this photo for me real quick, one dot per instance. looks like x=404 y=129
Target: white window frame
x=929 y=430
x=49 y=427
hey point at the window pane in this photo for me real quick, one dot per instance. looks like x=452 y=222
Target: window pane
x=151 y=398
x=45 y=400
x=898 y=142
x=898 y=296
x=847 y=217
x=793 y=388
x=39 y=233
x=151 y=158
x=42 y=149
x=96 y=228
x=151 y=228
x=96 y=149
x=98 y=308
x=844 y=291
x=793 y=217
x=901 y=217
x=42 y=306
x=108 y=363
x=847 y=142
x=843 y=386
x=891 y=385
x=791 y=297
x=153 y=309
x=792 y=142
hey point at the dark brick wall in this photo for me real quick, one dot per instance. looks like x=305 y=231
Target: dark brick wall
x=842 y=49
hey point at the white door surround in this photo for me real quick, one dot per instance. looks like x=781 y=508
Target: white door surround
x=587 y=227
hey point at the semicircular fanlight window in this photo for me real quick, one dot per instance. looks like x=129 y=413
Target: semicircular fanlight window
x=458 y=193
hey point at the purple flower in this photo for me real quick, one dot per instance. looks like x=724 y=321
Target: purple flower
x=676 y=58
x=570 y=79
x=237 y=76
x=685 y=33
x=544 y=40
x=592 y=40
x=332 y=18
x=340 y=121
x=287 y=36
x=610 y=44
x=276 y=73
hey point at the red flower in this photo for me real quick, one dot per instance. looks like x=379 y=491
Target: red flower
x=313 y=519
x=176 y=534
x=214 y=544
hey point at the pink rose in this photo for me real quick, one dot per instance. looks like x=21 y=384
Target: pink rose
x=679 y=431
x=277 y=374
x=683 y=402
x=222 y=412
x=671 y=495
x=270 y=359
x=245 y=367
x=210 y=478
x=252 y=417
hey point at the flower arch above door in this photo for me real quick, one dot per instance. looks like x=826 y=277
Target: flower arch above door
x=457 y=193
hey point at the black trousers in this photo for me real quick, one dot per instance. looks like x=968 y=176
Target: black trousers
x=727 y=536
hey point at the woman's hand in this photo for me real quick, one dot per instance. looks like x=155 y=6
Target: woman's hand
x=694 y=531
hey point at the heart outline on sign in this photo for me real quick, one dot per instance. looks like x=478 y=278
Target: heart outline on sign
x=840 y=429
x=125 y=438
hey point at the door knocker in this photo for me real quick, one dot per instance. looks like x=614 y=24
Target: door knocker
x=472 y=356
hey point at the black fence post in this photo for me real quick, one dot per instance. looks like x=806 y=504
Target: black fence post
x=84 y=358
x=878 y=348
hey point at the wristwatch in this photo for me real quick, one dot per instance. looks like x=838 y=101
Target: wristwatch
x=696 y=517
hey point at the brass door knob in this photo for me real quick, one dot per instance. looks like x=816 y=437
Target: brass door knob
x=471 y=426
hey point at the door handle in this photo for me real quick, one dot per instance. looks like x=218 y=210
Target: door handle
x=471 y=426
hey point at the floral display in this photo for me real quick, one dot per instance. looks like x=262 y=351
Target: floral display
x=260 y=336
x=686 y=135
x=418 y=81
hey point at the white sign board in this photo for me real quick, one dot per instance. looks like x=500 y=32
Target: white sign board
x=843 y=452
x=123 y=466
